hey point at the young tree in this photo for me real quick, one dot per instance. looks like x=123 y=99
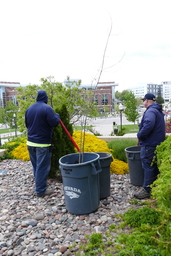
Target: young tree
x=10 y=114
x=159 y=99
x=122 y=96
x=131 y=107
x=77 y=101
x=2 y=116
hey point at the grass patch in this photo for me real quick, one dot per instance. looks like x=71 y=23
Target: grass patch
x=78 y=128
x=129 y=128
x=6 y=130
x=119 y=145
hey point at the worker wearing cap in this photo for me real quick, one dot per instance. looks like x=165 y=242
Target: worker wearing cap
x=151 y=134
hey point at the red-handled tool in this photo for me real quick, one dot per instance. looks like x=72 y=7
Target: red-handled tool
x=69 y=135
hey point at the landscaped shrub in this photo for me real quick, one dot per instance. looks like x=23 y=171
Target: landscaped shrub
x=161 y=187
x=119 y=167
x=145 y=230
x=168 y=126
x=17 y=149
x=91 y=143
x=61 y=144
x=118 y=146
x=21 y=151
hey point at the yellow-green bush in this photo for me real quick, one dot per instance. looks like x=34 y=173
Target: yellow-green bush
x=18 y=149
x=21 y=152
x=94 y=144
x=15 y=150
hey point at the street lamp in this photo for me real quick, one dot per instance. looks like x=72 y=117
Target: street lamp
x=121 y=108
x=15 y=124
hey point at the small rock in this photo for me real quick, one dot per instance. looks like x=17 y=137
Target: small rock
x=63 y=249
x=10 y=252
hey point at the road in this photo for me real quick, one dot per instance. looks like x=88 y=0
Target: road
x=104 y=125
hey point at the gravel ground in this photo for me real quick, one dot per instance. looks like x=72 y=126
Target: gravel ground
x=42 y=226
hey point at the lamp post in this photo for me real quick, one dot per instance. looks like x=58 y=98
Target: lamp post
x=15 y=124
x=121 y=108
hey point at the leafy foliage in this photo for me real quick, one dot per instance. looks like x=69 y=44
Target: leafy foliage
x=159 y=99
x=161 y=187
x=7 y=114
x=131 y=107
x=121 y=132
x=62 y=145
x=122 y=96
x=145 y=215
x=77 y=101
x=145 y=230
x=143 y=227
x=95 y=241
x=10 y=146
x=2 y=116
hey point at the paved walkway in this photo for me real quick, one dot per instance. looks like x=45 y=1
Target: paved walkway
x=3 y=136
x=104 y=126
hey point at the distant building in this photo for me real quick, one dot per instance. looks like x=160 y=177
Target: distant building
x=156 y=89
x=139 y=91
x=8 y=92
x=167 y=91
x=103 y=95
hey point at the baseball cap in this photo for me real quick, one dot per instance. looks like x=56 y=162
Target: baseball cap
x=149 y=96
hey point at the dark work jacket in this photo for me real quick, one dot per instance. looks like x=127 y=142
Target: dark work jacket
x=40 y=118
x=152 y=127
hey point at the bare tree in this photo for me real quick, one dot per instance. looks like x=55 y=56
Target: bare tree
x=104 y=55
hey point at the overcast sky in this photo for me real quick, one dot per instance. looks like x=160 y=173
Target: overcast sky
x=61 y=38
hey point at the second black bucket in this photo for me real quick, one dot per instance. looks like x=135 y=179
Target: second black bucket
x=104 y=175
x=135 y=167
x=81 y=182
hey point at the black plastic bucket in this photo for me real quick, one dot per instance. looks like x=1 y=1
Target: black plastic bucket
x=81 y=182
x=104 y=175
x=135 y=166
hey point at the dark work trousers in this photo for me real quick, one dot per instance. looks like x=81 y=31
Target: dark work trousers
x=40 y=158
x=149 y=166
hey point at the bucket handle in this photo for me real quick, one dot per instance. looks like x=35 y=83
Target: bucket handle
x=130 y=156
x=96 y=170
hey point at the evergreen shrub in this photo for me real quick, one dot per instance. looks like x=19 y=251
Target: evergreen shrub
x=61 y=144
